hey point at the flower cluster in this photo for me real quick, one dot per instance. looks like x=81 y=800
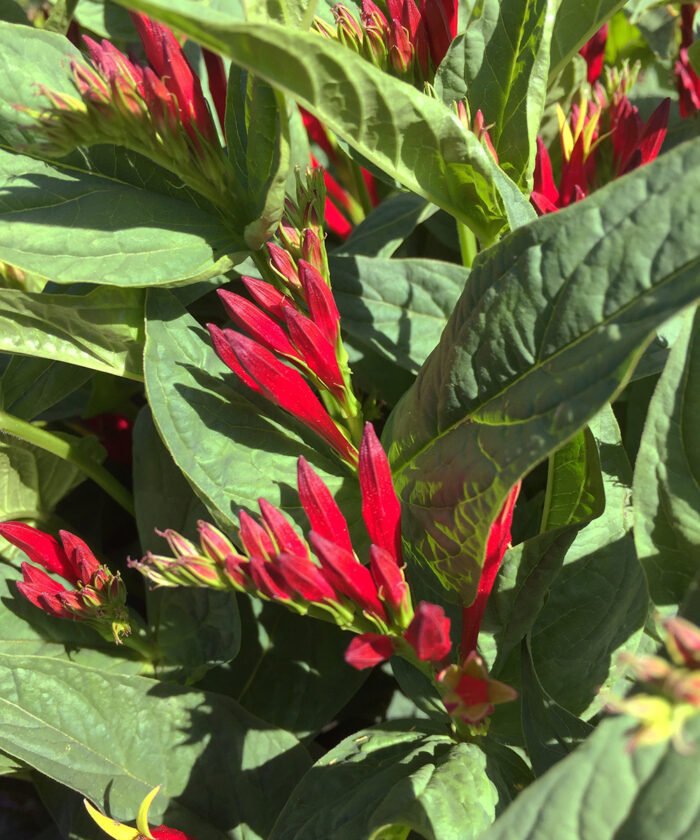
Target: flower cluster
x=276 y=564
x=674 y=687
x=687 y=80
x=158 y=110
x=603 y=139
x=99 y=597
x=409 y=42
x=294 y=321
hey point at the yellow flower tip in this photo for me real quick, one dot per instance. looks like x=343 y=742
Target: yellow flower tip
x=114 y=829
x=142 y=816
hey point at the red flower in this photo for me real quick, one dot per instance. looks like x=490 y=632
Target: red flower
x=471 y=695
x=687 y=80
x=368 y=650
x=496 y=546
x=169 y=62
x=594 y=53
x=99 y=596
x=381 y=508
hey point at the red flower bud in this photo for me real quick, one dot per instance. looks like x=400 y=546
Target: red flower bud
x=368 y=650
x=319 y=505
x=381 y=508
x=429 y=633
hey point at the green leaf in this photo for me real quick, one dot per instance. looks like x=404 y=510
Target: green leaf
x=667 y=474
x=257 y=131
x=72 y=226
x=30 y=386
x=550 y=325
x=598 y=604
x=115 y=738
x=33 y=481
x=500 y=66
x=194 y=629
x=232 y=446
x=102 y=330
x=302 y=655
x=551 y=732
x=604 y=792
x=408 y=135
x=575 y=495
x=576 y=22
x=388 y=777
x=386 y=227
x=105 y=19
x=397 y=308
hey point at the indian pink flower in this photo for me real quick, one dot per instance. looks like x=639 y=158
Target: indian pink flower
x=496 y=547
x=593 y=51
x=470 y=693
x=98 y=596
x=687 y=80
x=119 y=831
x=429 y=632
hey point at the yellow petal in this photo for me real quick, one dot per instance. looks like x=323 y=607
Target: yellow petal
x=142 y=816
x=115 y=829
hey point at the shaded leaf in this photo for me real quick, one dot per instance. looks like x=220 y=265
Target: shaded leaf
x=576 y=22
x=193 y=629
x=386 y=227
x=388 y=777
x=30 y=386
x=157 y=734
x=667 y=474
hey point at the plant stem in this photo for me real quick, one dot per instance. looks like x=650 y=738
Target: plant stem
x=467 y=244
x=68 y=452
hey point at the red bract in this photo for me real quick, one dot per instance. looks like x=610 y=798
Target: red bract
x=99 y=596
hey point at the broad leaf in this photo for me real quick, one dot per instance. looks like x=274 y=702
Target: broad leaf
x=597 y=606
x=87 y=227
x=576 y=22
x=500 y=66
x=550 y=325
x=551 y=732
x=383 y=781
x=194 y=629
x=102 y=330
x=604 y=792
x=232 y=446
x=290 y=670
x=667 y=474
x=397 y=308
x=408 y=135
x=157 y=734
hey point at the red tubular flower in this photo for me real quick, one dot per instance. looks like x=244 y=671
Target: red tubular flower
x=391 y=584
x=368 y=650
x=687 y=80
x=347 y=575
x=594 y=52
x=99 y=596
x=381 y=509
x=280 y=384
x=429 y=633
x=218 y=84
x=285 y=537
x=320 y=508
x=315 y=350
x=319 y=298
x=166 y=57
x=304 y=578
x=496 y=547
x=257 y=324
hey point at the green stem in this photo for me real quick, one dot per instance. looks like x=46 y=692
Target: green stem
x=68 y=452
x=467 y=244
x=61 y=16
